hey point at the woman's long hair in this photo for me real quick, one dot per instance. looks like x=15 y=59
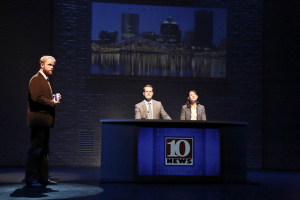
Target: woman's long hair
x=188 y=104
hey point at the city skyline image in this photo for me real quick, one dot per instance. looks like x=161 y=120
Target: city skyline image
x=158 y=40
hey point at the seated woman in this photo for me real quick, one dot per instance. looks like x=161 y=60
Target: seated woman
x=192 y=110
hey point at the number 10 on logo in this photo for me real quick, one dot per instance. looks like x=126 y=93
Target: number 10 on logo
x=179 y=151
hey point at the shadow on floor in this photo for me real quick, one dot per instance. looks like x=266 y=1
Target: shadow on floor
x=83 y=183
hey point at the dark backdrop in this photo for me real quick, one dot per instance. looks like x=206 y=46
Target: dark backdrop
x=262 y=86
x=281 y=83
x=25 y=35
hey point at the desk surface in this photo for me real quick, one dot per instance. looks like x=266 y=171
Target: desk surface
x=174 y=122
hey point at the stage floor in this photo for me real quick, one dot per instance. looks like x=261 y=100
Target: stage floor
x=83 y=184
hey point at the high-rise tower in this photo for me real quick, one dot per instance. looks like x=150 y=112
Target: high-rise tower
x=129 y=25
x=203 y=28
x=170 y=32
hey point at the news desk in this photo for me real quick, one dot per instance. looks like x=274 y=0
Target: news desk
x=173 y=151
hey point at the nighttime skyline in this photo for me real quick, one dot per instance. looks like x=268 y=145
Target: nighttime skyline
x=158 y=40
x=107 y=17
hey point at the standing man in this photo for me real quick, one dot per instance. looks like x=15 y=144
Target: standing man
x=149 y=108
x=40 y=117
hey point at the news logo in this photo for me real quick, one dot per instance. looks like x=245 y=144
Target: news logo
x=179 y=151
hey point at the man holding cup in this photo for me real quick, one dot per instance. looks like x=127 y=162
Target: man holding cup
x=40 y=117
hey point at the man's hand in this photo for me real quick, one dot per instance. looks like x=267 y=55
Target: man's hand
x=57 y=101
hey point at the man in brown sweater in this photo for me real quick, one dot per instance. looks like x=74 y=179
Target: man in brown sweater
x=40 y=117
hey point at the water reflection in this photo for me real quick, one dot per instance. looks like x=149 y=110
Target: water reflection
x=158 y=64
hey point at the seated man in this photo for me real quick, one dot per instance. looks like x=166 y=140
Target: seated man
x=149 y=108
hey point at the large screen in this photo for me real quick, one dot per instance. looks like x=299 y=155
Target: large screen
x=178 y=151
x=149 y=40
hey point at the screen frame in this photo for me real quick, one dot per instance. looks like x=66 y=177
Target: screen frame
x=160 y=78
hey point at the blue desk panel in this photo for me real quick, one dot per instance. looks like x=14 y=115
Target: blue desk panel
x=179 y=151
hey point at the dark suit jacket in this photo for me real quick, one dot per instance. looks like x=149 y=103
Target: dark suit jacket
x=158 y=111
x=186 y=113
x=40 y=110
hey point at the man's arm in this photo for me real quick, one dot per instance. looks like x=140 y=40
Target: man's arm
x=36 y=92
x=137 y=112
x=163 y=113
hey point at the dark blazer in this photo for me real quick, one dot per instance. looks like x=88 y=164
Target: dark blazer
x=158 y=111
x=186 y=113
x=40 y=110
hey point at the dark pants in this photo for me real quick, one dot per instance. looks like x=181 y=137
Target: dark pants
x=37 y=156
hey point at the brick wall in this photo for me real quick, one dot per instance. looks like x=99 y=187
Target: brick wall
x=87 y=100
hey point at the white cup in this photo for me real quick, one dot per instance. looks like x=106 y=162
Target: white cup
x=56 y=96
